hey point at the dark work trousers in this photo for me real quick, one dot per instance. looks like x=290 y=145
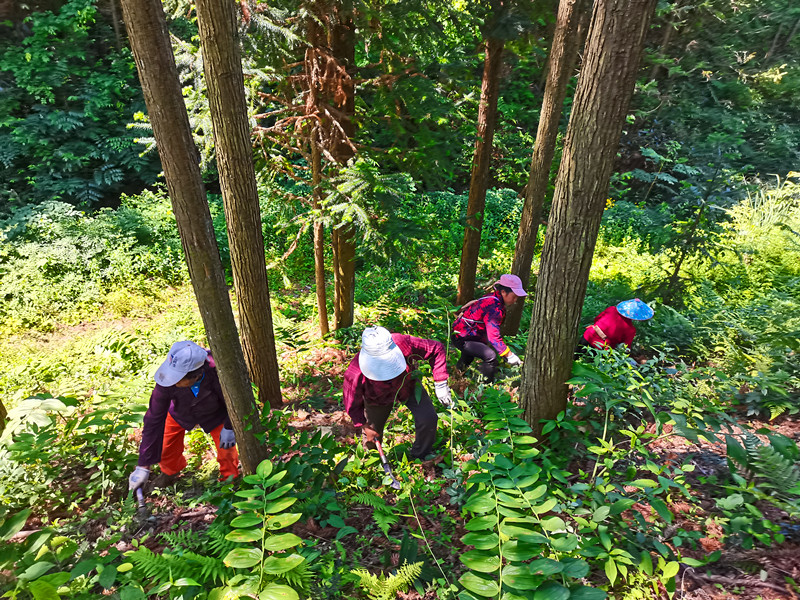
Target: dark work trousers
x=425 y=421
x=471 y=349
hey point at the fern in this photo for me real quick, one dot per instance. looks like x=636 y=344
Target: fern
x=159 y=567
x=211 y=569
x=777 y=471
x=299 y=577
x=370 y=499
x=180 y=541
x=386 y=588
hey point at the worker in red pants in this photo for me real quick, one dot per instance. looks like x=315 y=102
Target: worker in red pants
x=187 y=394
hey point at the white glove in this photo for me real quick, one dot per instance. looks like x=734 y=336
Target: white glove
x=443 y=393
x=138 y=478
x=227 y=439
x=513 y=359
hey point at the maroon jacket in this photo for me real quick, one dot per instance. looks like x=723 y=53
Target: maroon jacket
x=207 y=410
x=358 y=389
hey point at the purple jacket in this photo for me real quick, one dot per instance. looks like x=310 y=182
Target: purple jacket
x=481 y=321
x=207 y=410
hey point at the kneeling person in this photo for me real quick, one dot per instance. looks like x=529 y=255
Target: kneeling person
x=381 y=375
x=187 y=394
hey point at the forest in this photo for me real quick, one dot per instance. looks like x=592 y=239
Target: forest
x=274 y=236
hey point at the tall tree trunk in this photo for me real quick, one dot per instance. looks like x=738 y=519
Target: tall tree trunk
x=319 y=235
x=222 y=64
x=147 y=32
x=612 y=57
x=479 y=180
x=567 y=41
x=342 y=44
x=344 y=274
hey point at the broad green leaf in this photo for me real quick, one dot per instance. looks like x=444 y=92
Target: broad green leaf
x=551 y=591
x=520 y=551
x=249 y=505
x=564 y=543
x=479 y=585
x=671 y=569
x=264 y=469
x=279 y=505
x=277 y=493
x=276 y=591
x=575 y=567
x=38 y=569
x=481 y=561
x=553 y=524
x=275 y=478
x=643 y=483
x=546 y=566
x=283 y=520
x=583 y=592
x=108 y=576
x=646 y=563
x=249 y=493
x=482 y=540
x=14 y=524
x=536 y=492
x=601 y=513
x=41 y=590
x=622 y=505
x=661 y=508
x=243 y=558
x=611 y=570
x=247 y=520
x=131 y=592
x=186 y=582
x=545 y=506
x=521 y=577
x=275 y=565
x=244 y=535
x=281 y=542
x=481 y=523
x=480 y=503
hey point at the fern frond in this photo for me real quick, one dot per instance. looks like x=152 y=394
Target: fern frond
x=777 y=471
x=386 y=588
x=181 y=540
x=370 y=499
x=159 y=567
x=211 y=569
x=299 y=578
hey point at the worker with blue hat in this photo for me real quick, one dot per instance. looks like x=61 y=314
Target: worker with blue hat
x=614 y=326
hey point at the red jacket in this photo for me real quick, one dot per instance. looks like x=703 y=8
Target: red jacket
x=617 y=329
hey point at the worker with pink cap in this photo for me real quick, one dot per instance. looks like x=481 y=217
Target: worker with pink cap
x=476 y=331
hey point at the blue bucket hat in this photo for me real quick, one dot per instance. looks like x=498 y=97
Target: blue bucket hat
x=635 y=309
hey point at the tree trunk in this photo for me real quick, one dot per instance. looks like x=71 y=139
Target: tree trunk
x=479 y=180
x=567 y=42
x=342 y=43
x=3 y=417
x=222 y=64
x=319 y=236
x=147 y=32
x=344 y=275
x=612 y=57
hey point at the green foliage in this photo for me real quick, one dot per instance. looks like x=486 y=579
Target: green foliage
x=386 y=588
x=68 y=96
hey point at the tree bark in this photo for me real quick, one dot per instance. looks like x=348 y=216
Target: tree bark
x=342 y=43
x=319 y=236
x=222 y=64
x=605 y=86
x=149 y=39
x=479 y=180
x=567 y=42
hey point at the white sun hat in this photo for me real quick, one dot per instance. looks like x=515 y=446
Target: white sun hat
x=183 y=358
x=380 y=359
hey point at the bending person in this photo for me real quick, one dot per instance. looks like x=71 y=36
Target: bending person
x=614 y=326
x=476 y=331
x=382 y=375
x=187 y=394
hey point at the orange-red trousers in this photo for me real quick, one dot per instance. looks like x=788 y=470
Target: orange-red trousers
x=173 y=461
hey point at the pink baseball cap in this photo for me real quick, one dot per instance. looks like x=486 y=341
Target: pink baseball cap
x=513 y=282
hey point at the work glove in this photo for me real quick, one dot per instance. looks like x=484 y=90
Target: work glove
x=227 y=439
x=138 y=478
x=513 y=359
x=443 y=393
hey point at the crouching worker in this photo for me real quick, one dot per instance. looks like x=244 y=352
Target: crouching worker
x=476 y=331
x=614 y=326
x=187 y=394
x=382 y=375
